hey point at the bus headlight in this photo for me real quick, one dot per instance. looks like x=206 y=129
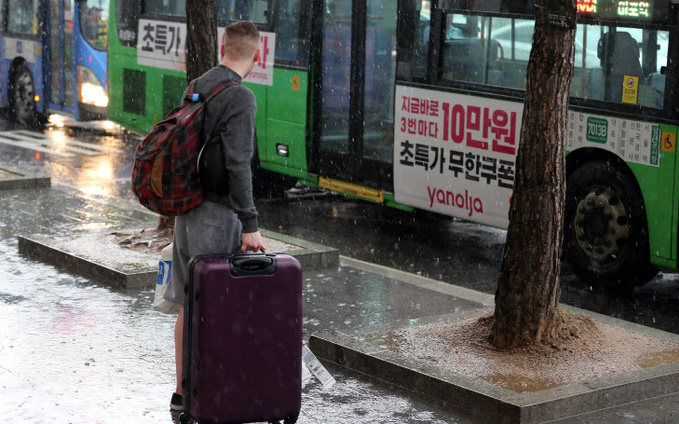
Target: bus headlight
x=90 y=90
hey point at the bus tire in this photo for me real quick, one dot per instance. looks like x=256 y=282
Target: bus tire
x=606 y=233
x=22 y=96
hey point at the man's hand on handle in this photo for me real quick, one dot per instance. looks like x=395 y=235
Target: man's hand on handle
x=252 y=241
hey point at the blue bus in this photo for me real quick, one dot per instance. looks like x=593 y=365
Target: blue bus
x=53 y=58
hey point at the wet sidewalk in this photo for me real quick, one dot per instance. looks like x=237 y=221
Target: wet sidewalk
x=77 y=349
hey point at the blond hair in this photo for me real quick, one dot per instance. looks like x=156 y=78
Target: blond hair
x=241 y=40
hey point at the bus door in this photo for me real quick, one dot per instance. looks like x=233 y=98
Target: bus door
x=353 y=91
x=59 y=52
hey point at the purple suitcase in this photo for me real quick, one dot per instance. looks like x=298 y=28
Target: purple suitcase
x=243 y=339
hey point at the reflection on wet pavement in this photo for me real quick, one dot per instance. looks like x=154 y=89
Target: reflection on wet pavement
x=86 y=354
x=94 y=157
x=74 y=351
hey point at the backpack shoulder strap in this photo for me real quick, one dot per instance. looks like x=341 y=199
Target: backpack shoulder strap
x=219 y=88
x=192 y=94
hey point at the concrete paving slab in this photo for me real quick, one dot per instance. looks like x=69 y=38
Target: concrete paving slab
x=364 y=350
x=14 y=179
x=98 y=255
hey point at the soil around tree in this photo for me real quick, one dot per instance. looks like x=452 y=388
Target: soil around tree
x=586 y=351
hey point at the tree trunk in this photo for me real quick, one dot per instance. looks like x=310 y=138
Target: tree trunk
x=526 y=301
x=201 y=37
x=165 y=222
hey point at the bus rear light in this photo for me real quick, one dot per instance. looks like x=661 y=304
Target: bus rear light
x=36 y=98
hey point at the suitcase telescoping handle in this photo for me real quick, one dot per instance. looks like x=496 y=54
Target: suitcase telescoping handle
x=252 y=264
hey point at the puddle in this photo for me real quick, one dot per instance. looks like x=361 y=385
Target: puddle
x=10 y=299
x=659 y=358
x=521 y=384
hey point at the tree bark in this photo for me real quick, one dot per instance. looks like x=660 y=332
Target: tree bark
x=165 y=222
x=527 y=297
x=201 y=37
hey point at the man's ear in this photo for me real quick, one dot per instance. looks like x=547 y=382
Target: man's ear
x=222 y=48
x=257 y=54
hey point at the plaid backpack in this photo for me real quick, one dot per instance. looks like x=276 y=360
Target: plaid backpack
x=165 y=174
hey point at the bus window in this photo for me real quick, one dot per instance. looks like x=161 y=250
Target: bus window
x=127 y=15
x=237 y=10
x=586 y=40
x=165 y=7
x=2 y=17
x=466 y=53
x=380 y=64
x=653 y=64
x=292 y=26
x=514 y=40
x=336 y=66
x=421 y=48
x=62 y=96
x=94 y=22
x=24 y=17
x=413 y=57
x=515 y=37
x=621 y=65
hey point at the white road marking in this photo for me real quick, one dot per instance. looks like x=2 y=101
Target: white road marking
x=50 y=144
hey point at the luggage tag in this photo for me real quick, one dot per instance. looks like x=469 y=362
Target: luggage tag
x=315 y=366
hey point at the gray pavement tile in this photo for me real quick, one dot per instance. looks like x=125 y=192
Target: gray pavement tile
x=15 y=179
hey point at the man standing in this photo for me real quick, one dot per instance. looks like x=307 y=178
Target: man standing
x=227 y=218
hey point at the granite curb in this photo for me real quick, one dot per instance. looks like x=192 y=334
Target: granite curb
x=19 y=179
x=80 y=254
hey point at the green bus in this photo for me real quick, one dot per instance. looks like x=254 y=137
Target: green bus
x=417 y=104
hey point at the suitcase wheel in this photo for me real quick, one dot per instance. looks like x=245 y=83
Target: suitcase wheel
x=291 y=418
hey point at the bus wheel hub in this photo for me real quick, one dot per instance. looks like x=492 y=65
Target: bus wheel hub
x=601 y=226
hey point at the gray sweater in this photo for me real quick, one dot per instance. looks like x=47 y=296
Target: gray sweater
x=231 y=117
